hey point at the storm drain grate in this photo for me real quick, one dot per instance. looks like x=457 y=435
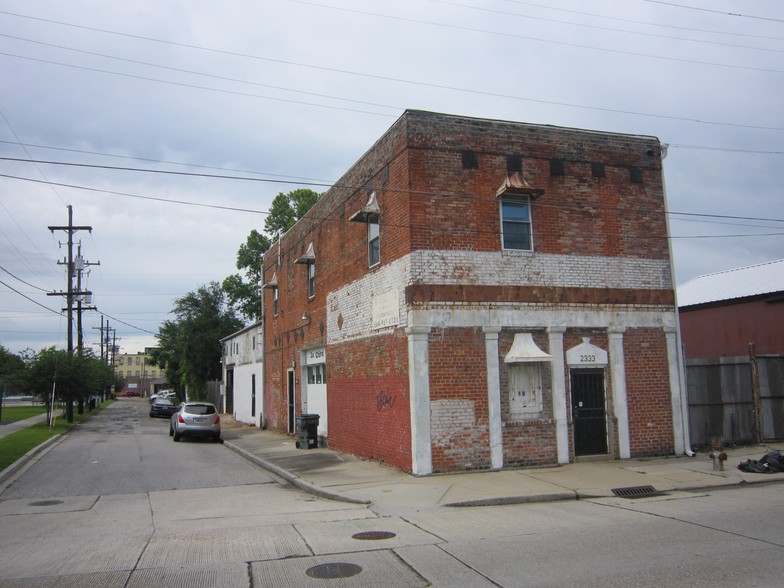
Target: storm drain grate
x=636 y=492
x=333 y=570
x=373 y=535
x=45 y=503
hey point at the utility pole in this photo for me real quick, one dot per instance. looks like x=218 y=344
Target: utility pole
x=70 y=294
x=79 y=265
x=70 y=229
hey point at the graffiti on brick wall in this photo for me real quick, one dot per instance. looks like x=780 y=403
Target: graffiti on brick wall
x=385 y=400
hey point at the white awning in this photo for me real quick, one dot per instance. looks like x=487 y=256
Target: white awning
x=525 y=350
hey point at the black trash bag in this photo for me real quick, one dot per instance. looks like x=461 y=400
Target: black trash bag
x=770 y=463
x=774 y=460
x=753 y=466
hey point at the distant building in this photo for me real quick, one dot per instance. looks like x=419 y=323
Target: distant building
x=732 y=325
x=474 y=294
x=141 y=379
x=243 y=372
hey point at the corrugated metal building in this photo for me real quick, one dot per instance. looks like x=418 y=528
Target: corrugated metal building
x=732 y=324
x=722 y=313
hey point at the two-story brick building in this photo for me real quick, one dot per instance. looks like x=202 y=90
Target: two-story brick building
x=475 y=294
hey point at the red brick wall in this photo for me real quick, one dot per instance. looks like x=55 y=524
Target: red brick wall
x=456 y=208
x=648 y=392
x=368 y=400
x=458 y=372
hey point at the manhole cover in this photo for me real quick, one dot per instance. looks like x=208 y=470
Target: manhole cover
x=373 y=535
x=333 y=570
x=636 y=492
x=45 y=503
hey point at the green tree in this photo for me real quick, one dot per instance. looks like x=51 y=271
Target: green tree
x=189 y=349
x=13 y=371
x=243 y=290
x=287 y=209
x=72 y=378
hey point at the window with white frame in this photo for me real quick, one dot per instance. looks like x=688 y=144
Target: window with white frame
x=374 y=241
x=516 y=223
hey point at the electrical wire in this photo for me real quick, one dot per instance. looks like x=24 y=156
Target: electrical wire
x=540 y=39
x=642 y=22
x=605 y=29
x=316 y=184
x=736 y=14
x=346 y=72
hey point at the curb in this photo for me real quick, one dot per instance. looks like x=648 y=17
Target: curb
x=293 y=479
x=9 y=472
x=503 y=500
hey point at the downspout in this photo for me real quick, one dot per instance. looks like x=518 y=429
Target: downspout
x=678 y=340
x=263 y=417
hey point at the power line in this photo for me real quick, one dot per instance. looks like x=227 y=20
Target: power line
x=610 y=29
x=359 y=74
x=642 y=22
x=319 y=184
x=21 y=280
x=30 y=299
x=193 y=86
x=540 y=39
x=736 y=14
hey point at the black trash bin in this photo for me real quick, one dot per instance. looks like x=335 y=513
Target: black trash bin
x=307 y=427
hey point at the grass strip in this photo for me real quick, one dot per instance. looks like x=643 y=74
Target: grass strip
x=15 y=445
x=11 y=414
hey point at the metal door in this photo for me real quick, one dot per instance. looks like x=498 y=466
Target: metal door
x=229 y=392
x=588 y=412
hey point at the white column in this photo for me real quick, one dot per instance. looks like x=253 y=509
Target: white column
x=620 y=402
x=494 y=398
x=673 y=360
x=419 y=393
x=558 y=386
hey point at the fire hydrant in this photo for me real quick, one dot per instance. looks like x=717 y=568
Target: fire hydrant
x=718 y=456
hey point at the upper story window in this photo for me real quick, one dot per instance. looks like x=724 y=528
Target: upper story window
x=309 y=258
x=370 y=214
x=515 y=196
x=273 y=285
x=516 y=223
x=311 y=279
x=374 y=240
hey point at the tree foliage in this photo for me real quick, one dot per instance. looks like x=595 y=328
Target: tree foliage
x=72 y=378
x=189 y=349
x=243 y=290
x=13 y=371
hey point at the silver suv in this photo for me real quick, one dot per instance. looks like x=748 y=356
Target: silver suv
x=195 y=419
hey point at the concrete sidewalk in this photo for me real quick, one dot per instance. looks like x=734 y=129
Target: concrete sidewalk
x=334 y=475
x=8 y=428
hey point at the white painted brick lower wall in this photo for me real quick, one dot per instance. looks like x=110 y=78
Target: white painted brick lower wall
x=448 y=417
x=350 y=309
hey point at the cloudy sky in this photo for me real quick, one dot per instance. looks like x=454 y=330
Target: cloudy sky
x=170 y=126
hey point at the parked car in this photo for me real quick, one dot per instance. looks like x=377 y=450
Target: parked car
x=164 y=407
x=195 y=419
x=162 y=394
